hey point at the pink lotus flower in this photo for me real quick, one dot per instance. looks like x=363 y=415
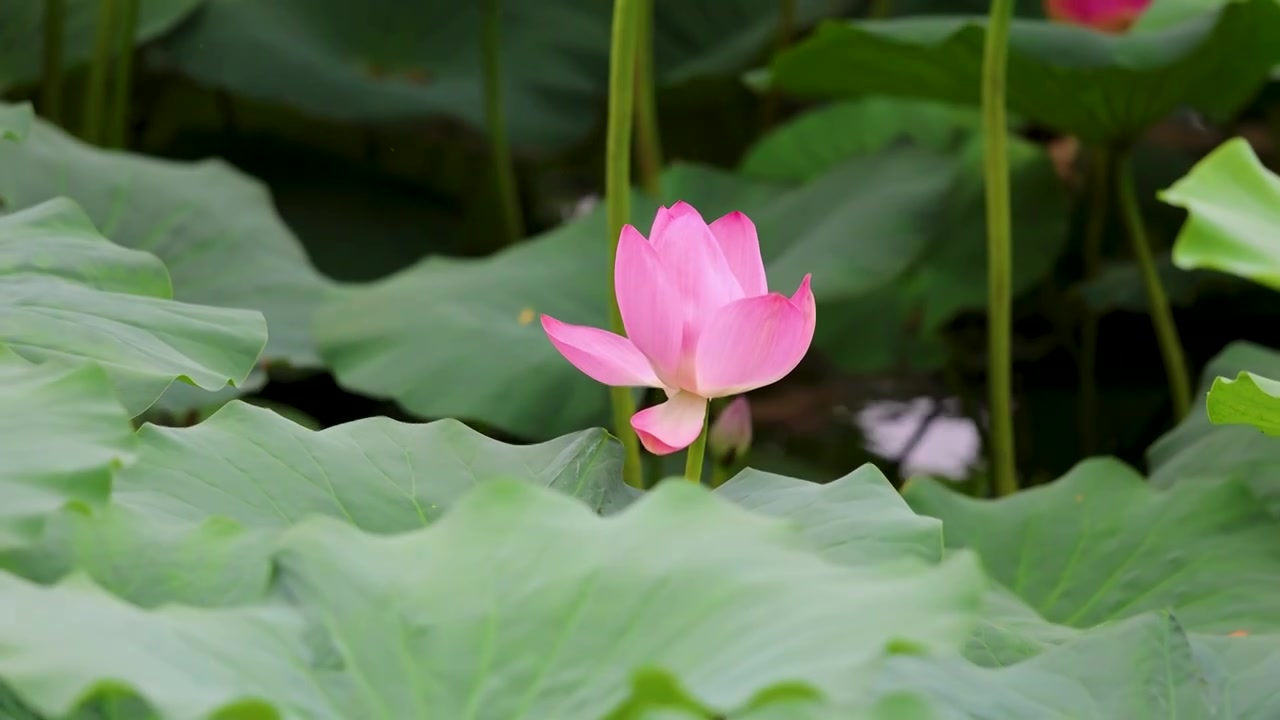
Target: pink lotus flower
x=1103 y=15
x=700 y=321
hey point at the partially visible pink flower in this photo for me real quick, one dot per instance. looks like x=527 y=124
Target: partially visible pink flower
x=700 y=321
x=730 y=435
x=1104 y=15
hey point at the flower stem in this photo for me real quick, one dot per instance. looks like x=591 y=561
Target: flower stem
x=999 y=247
x=118 y=121
x=617 y=190
x=99 y=68
x=504 y=172
x=1094 y=231
x=697 y=451
x=51 y=83
x=1175 y=363
x=648 y=139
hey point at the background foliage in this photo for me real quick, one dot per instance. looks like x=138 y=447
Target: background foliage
x=280 y=435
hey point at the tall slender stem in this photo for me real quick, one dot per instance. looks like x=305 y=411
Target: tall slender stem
x=99 y=69
x=1175 y=363
x=51 y=82
x=1095 y=229
x=698 y=450
x=118 y=120
x=504 y=171
x=999 y=247
x=617 y=190
x=648 y=139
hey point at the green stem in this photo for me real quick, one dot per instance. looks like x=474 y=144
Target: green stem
x=1094 y=231
x=504 y=172
x=648 y=139
x=99 y=68
x=697 y=451
x=999 y=247
x=617 y=190
x=51 y=83
x=118 y=121
x=1175 y=363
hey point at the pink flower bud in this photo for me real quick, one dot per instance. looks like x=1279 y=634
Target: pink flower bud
x=1114 y=16
x=730 y=436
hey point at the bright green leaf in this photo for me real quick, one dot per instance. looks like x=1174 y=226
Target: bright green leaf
x=1101 y=88
x=62 y=432
x=1099 y=545
x=66 y=292
x=1248 y=400
x=1197 y=450
x=1233 y=222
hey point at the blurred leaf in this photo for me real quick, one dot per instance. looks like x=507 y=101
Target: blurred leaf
x=1248 y=400
x=66 y=292
x=1233 y=223
x=15 y=121
x=520 y=600
x=816 y=141
x=1105 y=89
x=1100 y=545
x=856 y=520
x=390 y=61
x=214 y=228
x=62 y=432
x=22 y=33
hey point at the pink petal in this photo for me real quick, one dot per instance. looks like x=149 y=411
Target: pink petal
x=755 y=342
x=601 y=355
x=658 y=231
x=698 y=270
x=650 y=306
x=741 y=247
x=673 y=425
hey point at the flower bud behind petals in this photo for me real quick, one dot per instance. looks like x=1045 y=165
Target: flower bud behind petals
x=730 y=435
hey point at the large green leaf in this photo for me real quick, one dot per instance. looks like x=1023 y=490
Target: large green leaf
x=1233 y=222
x=1102 y=88
x=1099 y=545
x=259 y=469
x=388 y=61
x=62 y=432
x=521 y=602
x=22 y=32
x=66 y=292
x=214 y=228
x=857 y=519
